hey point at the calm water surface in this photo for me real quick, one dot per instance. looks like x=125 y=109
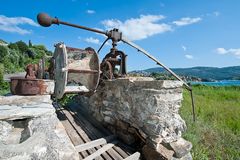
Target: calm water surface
x=219 y=83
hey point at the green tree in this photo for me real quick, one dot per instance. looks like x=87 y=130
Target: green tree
x=4 y=86
x=3 y=53
x=13 y=46
x=1 y=73
x=21 y=61
x=22 y=46
x=40 y=51
x=30 y=43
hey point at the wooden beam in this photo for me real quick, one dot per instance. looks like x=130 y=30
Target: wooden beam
x=100 y=151
x=134 y=156
x=87 y=129
x=94 y=143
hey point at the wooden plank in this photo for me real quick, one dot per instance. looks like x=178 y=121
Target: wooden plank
x=94 y=143
x=82 y=133
x=101 y=150
x=120 y=151
x=95 y=133
x=85 y=113
x=88 y=128
x=134 y=156
x=74 y=137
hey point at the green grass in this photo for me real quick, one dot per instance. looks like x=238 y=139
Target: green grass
x=216 y=132
x=4 y=88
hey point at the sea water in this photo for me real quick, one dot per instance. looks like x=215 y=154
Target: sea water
x=219 y=83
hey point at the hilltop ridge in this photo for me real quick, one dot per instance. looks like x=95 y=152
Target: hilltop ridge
x=204 y=73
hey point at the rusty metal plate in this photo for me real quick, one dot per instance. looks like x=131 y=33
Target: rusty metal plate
x=60 y=75
x=75 y=70
x=83 y=67
x=23 y=86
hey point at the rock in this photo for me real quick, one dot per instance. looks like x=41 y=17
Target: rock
x=181 y=147
x=24 y=100
x=159 y=153
x=30 y=130
x=5 y=129
x=12 y=112
x=186 y=157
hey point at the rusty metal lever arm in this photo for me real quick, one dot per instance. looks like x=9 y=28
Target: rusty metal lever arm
x=45 y=20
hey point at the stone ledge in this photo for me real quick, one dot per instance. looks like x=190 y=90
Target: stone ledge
x=30 y=129
x=20 y=107
x=24 y=100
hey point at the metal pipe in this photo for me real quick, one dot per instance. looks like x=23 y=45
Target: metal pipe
x=45 y=20
x=83 y=27
x=193 y=106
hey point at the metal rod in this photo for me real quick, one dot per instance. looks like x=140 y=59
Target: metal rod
x=82 y=27
x=102 y=45
x=154 y=59
x=193 y=106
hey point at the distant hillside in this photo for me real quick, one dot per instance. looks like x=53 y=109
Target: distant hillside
x=205 y=73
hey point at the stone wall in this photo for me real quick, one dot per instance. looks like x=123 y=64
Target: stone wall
x=29 y=129
x=143 y=108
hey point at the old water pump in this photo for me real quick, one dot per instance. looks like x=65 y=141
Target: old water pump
x=79 y=71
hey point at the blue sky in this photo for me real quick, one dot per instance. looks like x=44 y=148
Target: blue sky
x=180 y=33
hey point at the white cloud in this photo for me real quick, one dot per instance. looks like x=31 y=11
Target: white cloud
x=188 y=56
x=139 y=28
x=184 y=47
x=11 y=24
x=235 y=52
x=92 y=40
x=187 y=21
x=90 y=11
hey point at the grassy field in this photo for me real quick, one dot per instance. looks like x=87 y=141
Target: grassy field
x=216 y=132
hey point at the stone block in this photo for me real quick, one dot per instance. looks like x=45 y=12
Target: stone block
x=29 y=129
x=160 y=153
x=186 y=157
x=181 y=147
x=149 y=106
x=24 y=100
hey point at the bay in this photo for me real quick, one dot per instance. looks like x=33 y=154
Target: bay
x=219 y=83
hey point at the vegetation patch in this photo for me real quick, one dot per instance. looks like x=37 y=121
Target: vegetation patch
x=216 y=132
x=15 y=56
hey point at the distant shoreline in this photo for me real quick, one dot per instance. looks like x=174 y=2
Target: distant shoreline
x=218 y=83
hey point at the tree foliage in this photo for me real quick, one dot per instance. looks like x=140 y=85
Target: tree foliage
x=3 y=53
x=22 y=46
x=15 y=56
x=13 y=46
